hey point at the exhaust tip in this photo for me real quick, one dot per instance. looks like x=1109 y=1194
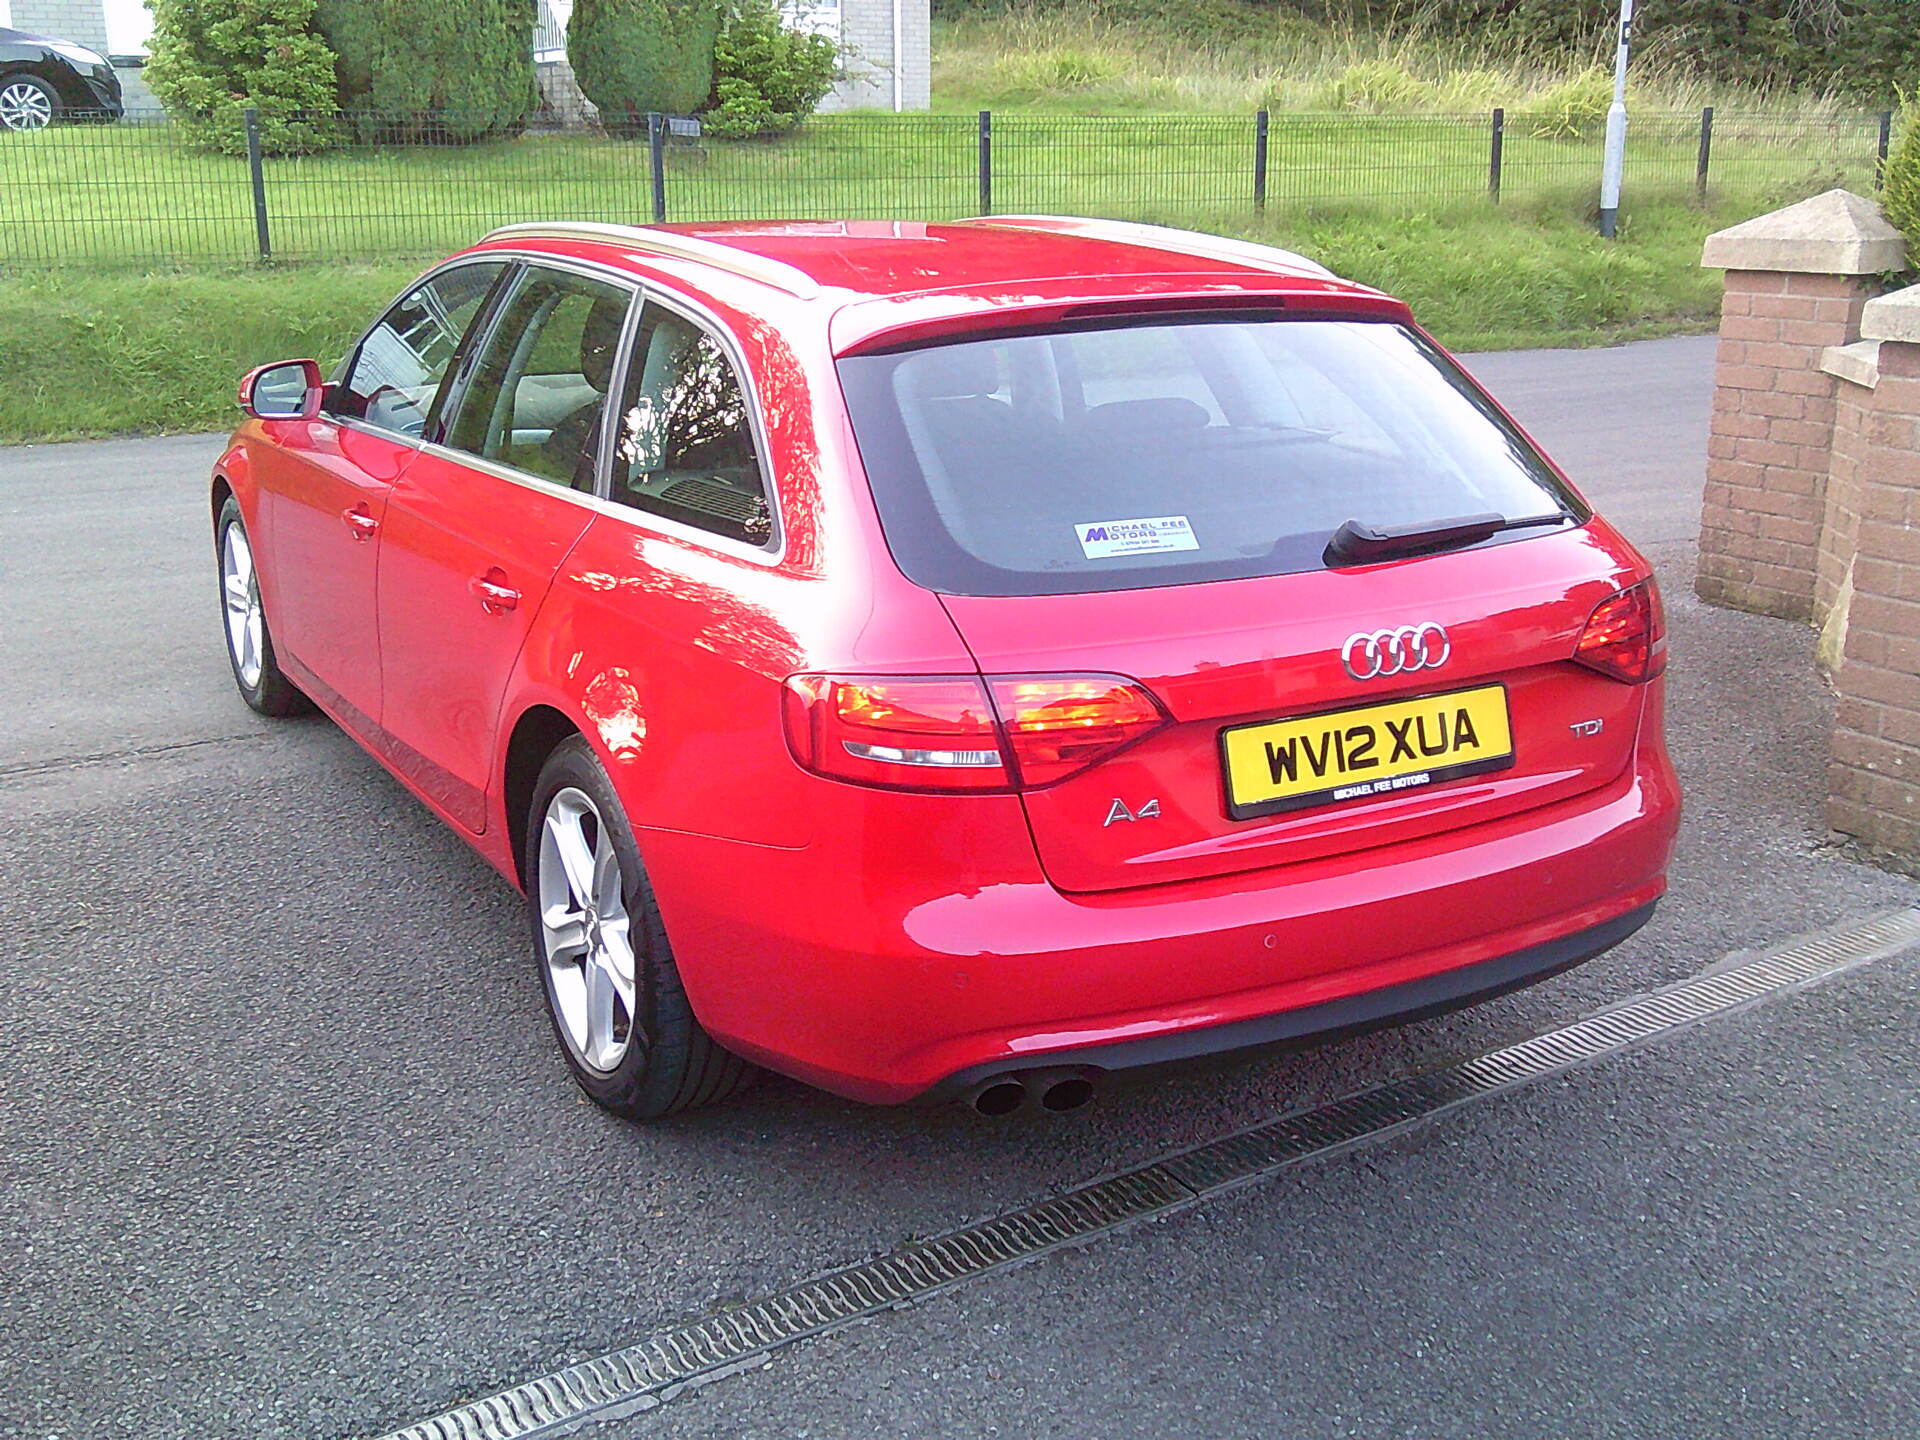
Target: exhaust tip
x=999 y=1097
x=1069 y=1093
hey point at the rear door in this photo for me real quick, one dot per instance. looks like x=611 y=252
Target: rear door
x=325 y=488
x=1157 y=501
x=477 y=527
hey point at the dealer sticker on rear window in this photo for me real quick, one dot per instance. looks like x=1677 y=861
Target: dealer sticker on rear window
x=1102 y=538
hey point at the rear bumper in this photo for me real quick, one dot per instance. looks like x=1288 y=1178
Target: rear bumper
x=867 y=966
x=1341 y=1019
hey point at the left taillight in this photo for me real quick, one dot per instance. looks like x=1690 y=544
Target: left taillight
x=963 y=732
x=1626 y=636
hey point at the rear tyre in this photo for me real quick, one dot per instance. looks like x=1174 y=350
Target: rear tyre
x=27 y=103
x=613 y=991
x=256 y=672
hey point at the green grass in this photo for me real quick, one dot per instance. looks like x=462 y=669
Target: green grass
x=133 y=195
x=127 y=304
x=88 y=354
x=1216 y=55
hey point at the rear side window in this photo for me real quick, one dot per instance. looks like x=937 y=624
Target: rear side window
x=686 y=448
x=1166 y=453
x=540 y=387
x=400 y=366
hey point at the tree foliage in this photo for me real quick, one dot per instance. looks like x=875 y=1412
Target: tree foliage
x=632 y=57
x=445 y=70
x=1900 y=182
x=212 y=60
x=766 y=78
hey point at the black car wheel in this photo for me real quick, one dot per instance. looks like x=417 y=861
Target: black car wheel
x=27 y=103
x=613 y=992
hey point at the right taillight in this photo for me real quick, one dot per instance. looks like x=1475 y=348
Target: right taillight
x=1626 y=635
x=963 y=732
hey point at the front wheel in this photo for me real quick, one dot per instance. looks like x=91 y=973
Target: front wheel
x=613 y=991
x=27 y=103
x=256 y=671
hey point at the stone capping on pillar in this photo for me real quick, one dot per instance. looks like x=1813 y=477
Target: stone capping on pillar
x=1837 y=233
x=1893 y=317
x=1796 y=281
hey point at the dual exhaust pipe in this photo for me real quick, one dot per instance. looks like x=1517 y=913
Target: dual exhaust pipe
x=1054 y=1090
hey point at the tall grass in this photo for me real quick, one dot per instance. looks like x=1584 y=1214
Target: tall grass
x=1085 y=57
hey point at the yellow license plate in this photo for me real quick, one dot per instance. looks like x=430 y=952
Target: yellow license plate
x=1402 y=745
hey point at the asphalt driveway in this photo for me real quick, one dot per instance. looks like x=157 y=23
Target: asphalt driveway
x=286 y=1151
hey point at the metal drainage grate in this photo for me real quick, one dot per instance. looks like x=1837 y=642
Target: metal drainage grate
x=642 y=1375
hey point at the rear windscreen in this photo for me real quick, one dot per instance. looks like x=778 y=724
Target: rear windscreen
x=1164 y=453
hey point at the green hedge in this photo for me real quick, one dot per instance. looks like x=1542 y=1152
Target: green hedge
x=213 y=59
x=632 y=57
x=466 y=63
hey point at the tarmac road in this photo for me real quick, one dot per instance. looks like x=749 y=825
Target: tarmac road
x=287 y=1152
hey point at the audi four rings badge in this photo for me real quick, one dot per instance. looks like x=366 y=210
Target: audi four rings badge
x=1376 y=654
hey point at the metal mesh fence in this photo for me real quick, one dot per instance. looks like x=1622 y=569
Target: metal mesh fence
x=140 y=191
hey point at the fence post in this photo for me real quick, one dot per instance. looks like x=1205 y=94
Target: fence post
x=263 y=238
x=657 y=158
x=1495 y=146
x=1706 y=153
x=1886 y=140
x=1260 y=126
x=986 y=162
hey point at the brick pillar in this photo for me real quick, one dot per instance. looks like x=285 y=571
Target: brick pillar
x=1875 y=775
x=1795 y=284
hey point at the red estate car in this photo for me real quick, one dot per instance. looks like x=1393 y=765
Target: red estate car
x=958 y=660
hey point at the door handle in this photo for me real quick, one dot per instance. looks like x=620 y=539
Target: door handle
x=360 y=522
x=495 y=595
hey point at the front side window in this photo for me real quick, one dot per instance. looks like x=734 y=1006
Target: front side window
x=1162 y=453
x=685 y=447
x=540 y=387
x=401 y=365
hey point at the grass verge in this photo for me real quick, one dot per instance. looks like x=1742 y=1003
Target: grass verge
x=103 y=353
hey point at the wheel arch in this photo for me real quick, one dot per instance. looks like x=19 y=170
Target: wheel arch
x=537 y=733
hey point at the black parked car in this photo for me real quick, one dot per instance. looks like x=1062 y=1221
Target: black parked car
x=43 y=80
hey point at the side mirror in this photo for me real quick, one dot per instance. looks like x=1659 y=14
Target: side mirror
x=289 y=390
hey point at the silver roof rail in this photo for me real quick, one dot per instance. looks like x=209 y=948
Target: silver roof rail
x=1163 y=237
x=732 y=259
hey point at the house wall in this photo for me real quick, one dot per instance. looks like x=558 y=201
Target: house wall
x=866 y=29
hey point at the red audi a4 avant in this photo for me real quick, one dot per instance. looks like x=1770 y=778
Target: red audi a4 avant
x=957 y=660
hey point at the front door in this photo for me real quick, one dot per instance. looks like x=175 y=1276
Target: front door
x=325 y=489
x=477 y=528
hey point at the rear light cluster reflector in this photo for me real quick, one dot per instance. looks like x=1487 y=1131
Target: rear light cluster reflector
x=994 y=733
x=1626 y=636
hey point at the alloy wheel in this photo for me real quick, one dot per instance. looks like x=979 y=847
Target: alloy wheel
x=240 y=589
x=25 y=107
x=586 y=937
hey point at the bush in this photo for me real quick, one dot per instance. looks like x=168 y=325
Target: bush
x=1571 y=110
x=433 y=70
x=213 y=59
x=766 y=78
x=633 y=57
x=1379 y=85
x=1900 y=182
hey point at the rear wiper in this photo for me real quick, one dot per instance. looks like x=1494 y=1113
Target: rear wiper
x=1357 y=543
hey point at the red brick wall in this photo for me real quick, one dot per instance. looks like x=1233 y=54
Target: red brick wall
x=1842 y=524
x=1769 y=445
x=1876 y=740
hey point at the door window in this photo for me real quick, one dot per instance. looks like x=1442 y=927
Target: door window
x=686 y=448
x=540 y=388
x=400 y=366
